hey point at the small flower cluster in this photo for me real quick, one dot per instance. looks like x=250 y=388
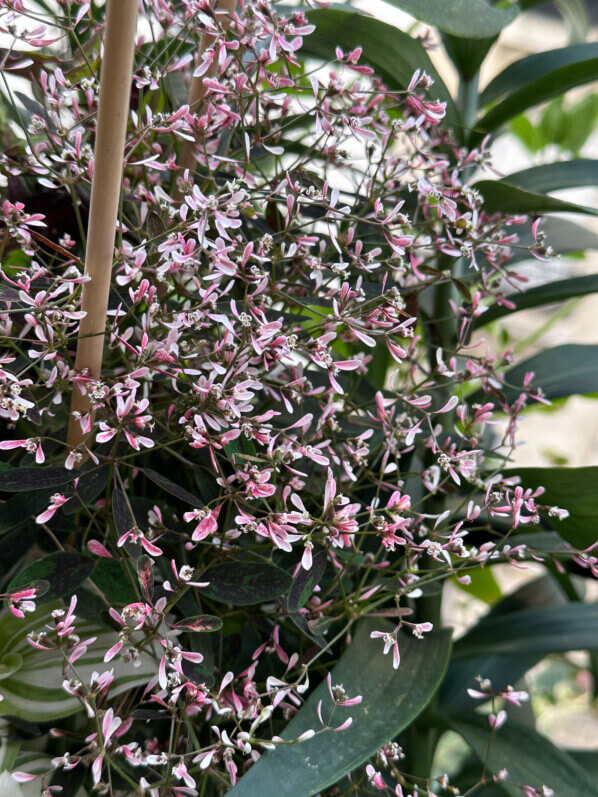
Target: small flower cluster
x=268 y=365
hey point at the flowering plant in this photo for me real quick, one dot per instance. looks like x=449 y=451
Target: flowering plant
x=226 y=546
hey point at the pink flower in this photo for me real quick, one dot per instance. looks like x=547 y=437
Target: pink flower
x=56 y=501
x=390 y=642
x=135 y=534
x=31 y=444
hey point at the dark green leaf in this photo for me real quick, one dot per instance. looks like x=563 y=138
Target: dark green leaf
x=549 y=629
x=500 y=669
x=21 y=480
x=588 y=759
x=534 y=79
x=392 y=699
x=555 y=176
x=110 y=578
x=393 y=54
x=203 y=622
x=245 y=583
x=305 y=581
x=467 y=54
x=90 y=485
x=64 y=571
x=19 y=508
x=123 y=519
x=502 y=197
x=473 y=19
x=171 y=487
x=573 y=489
x=558 y=291
x=564 y=236
x=303 y=624
x=530 y=134
x=529 y=758
x=562 y=371
x=520 y=74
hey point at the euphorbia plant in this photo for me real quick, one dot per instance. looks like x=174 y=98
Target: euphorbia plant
x=293 y=442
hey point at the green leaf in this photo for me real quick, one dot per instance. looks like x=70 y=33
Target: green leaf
x=573 y=489
x=392 y=53
x=568 y=370
x=90 y=485
x=558 y=291
x=392 y=699
x=63 y=571
x=483 y=586
x=22 y=506
x=171 y=487
x=474 y=19
x=245 y=583
x=203 y=622
x=21 y=480
x=588 y=759
x=555 y=176
x=564 y=236
x=502 y=670
x=110 y=578
x=33 y=691
x=529 y=758
x=548 y=629
x=305 y=581
x=467 y=54
x=503 y=197
x=533 y=80
x=538 y=66
x=531 y=135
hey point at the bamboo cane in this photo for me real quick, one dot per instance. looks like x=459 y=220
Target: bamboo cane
x=115 y=92
x=197 y=91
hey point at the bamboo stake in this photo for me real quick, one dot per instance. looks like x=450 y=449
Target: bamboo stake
x=115 y=92
x=197 y=91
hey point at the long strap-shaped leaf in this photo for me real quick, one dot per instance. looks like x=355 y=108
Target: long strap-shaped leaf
x=115 y=91
x=392 y=699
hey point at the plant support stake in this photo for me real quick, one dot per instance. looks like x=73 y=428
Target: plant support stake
x=113 y=109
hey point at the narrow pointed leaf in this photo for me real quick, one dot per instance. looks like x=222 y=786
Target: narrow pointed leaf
x=568 y=370
x=520 y=74
x=558 y=291
x=502 y=197
x=305 y=581
x=533 y=80
x=556 y=176
x=20 y=480
x=529 y=758
x=573 y=489
x=501 y=669
x=110 y=578
x=548 y=629
x=123 y=519
x=392 y=53
x=245 y=583
x=203 y=622
x=171 y=487
x=63 y=571
x=564 y=236
x=392 y=699
x=474 y=19
x=90 y=485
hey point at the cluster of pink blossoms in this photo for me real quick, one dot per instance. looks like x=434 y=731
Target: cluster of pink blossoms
x=250 y=318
